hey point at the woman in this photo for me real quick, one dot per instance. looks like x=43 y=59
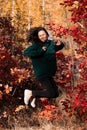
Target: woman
x=43 y=55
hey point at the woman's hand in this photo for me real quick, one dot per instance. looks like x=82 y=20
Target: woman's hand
x=44 y=48
x=58 y=42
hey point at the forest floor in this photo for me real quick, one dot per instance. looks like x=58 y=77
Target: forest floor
x=14 y=116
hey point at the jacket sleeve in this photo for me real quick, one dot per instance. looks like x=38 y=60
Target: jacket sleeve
x=34 y=52
x=59 y=47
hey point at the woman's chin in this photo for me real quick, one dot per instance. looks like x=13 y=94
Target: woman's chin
x=44 y=40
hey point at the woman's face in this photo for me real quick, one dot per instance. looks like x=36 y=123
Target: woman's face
x=42 y=36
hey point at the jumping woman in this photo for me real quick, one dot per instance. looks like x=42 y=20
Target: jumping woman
x=43 y=55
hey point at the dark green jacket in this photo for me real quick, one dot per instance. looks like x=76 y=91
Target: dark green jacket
x=44 y=62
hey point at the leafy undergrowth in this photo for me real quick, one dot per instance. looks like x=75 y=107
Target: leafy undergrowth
x=47 y=115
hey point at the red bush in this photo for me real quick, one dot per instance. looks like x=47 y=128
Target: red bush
x=11 y=74
x=72 y=70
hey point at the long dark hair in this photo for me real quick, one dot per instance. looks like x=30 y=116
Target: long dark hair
x=32 y=35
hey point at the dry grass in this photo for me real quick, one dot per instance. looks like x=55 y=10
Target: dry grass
x=47 y=127
x=24 y=119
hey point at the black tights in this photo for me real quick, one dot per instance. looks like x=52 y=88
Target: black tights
x=49 y=90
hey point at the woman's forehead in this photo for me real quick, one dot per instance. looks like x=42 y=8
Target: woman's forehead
x=41 y=32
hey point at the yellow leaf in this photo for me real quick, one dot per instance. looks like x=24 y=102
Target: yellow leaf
x=19 y=108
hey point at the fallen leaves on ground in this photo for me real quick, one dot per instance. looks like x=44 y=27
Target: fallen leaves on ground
x=20 y=107
x=49 y=111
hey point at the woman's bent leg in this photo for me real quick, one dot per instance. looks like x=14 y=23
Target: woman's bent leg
x=49 y=90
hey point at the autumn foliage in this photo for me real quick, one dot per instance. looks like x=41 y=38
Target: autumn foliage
x=72 y=69
x=10 y=72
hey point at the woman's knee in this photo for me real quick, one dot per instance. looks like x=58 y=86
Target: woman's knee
x=54 y=94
